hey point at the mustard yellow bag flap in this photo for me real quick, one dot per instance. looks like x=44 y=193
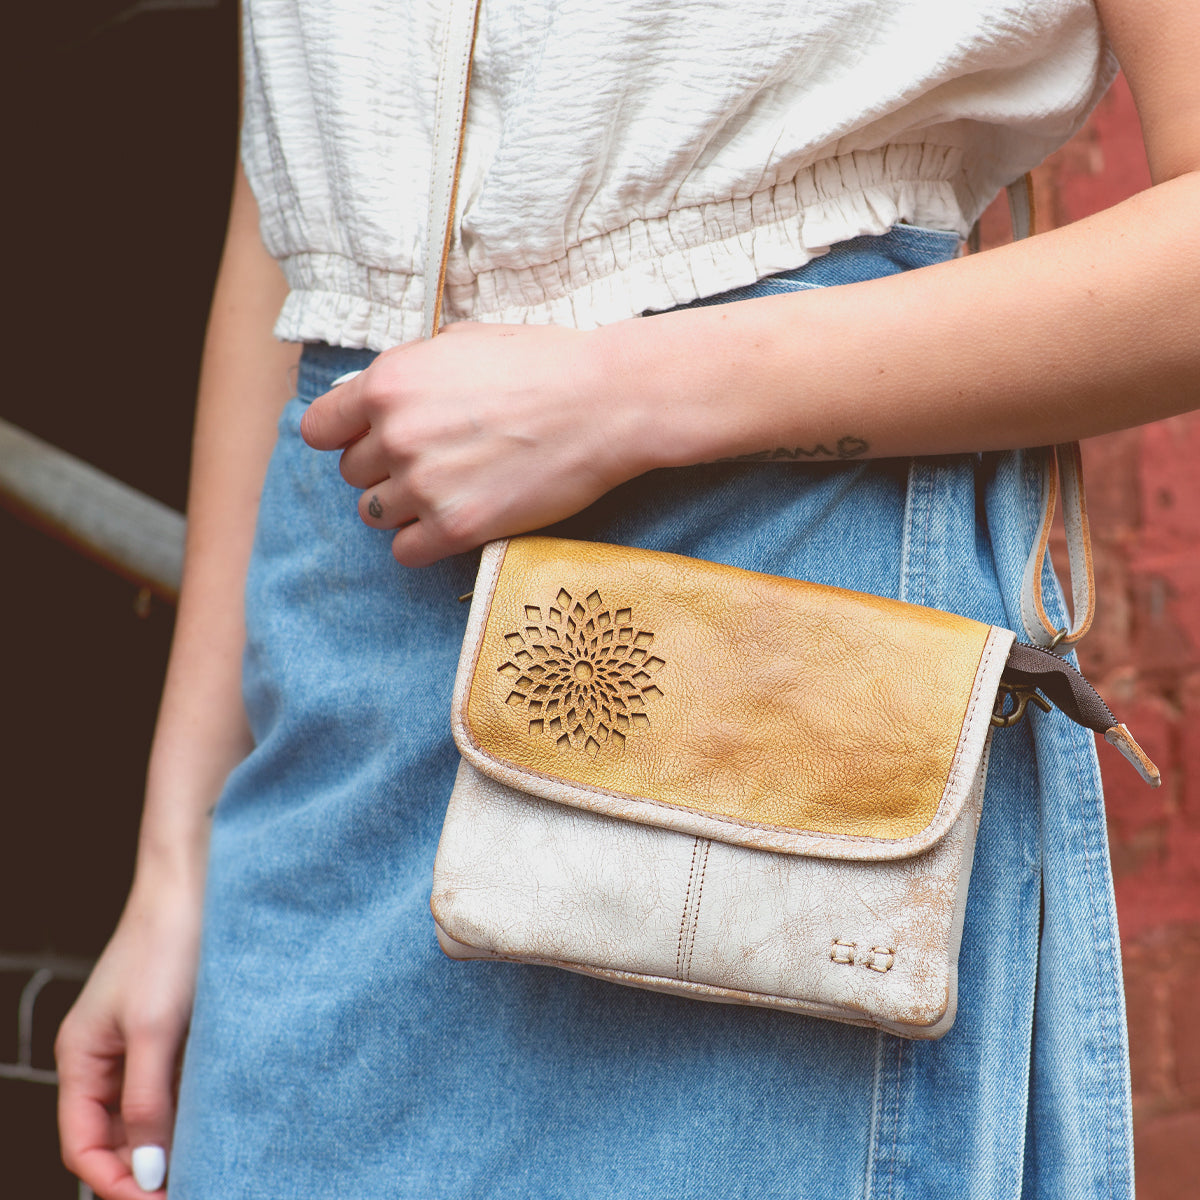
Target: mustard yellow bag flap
x=685 y=694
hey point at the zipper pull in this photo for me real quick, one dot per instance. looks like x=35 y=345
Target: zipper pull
x=1031 y=669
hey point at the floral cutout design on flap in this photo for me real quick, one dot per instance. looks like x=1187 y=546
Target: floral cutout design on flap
x=582 y=673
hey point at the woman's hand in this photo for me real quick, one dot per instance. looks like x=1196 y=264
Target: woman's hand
x=119 y=1048
x=482 y=432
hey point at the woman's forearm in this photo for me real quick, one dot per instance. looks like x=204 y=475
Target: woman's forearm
x=1086 y=329
x=201 y=732
x=493 y=430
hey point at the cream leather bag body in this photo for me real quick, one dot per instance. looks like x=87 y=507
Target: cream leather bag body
x=697 y=779
x=692 y=778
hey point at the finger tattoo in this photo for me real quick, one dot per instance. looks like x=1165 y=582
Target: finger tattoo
x=375 y=508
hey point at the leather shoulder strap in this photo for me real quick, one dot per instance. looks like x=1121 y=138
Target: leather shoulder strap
x=1062 y=470
x=450 y=114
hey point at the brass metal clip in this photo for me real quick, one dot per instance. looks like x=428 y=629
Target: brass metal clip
x=1022 y=697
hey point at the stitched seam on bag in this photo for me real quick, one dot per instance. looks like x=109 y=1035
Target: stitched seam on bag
x=683 y=916
x=485 y=614
x=485 y=756
x=956 y=768
x=932 y=829
x=695 y=922
x=849 y=838
x=860 y=839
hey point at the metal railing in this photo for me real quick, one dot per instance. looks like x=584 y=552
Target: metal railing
x=116 y=525
x=41 y=969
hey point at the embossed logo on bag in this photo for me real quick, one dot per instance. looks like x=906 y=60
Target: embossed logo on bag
x=874 y=958
x=582 y=673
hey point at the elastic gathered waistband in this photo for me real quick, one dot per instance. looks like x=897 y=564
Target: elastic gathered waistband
x=652 y=263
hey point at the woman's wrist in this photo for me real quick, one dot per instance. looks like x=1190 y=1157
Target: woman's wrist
x=696 y=382
x=177 y=858
x=172 y=849
x=655 y=385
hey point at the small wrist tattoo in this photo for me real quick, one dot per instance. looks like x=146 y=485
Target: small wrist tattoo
x=844 y=448
x=375 y=508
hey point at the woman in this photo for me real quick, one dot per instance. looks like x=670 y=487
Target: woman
x=618 y=160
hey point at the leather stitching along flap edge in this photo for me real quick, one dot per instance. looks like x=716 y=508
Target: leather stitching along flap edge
x=758 y=711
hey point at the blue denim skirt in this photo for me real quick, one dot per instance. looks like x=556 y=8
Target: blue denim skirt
x=335 y=1053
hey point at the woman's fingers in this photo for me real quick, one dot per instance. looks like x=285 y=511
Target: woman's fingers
x=148 y=1102
x=336 y=418
x=362 y=463
x=93 y=1136
x=386 y=505
x=415 y=546
x=89 y=1086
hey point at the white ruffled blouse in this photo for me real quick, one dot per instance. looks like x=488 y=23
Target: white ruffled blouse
x=629 y=155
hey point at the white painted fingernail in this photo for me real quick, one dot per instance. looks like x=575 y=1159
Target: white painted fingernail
x=349 y=375
x=149 y=1167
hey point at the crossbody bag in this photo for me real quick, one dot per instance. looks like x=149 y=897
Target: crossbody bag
x=691 y=778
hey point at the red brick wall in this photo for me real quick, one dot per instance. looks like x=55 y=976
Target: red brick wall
x=1144 y=655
